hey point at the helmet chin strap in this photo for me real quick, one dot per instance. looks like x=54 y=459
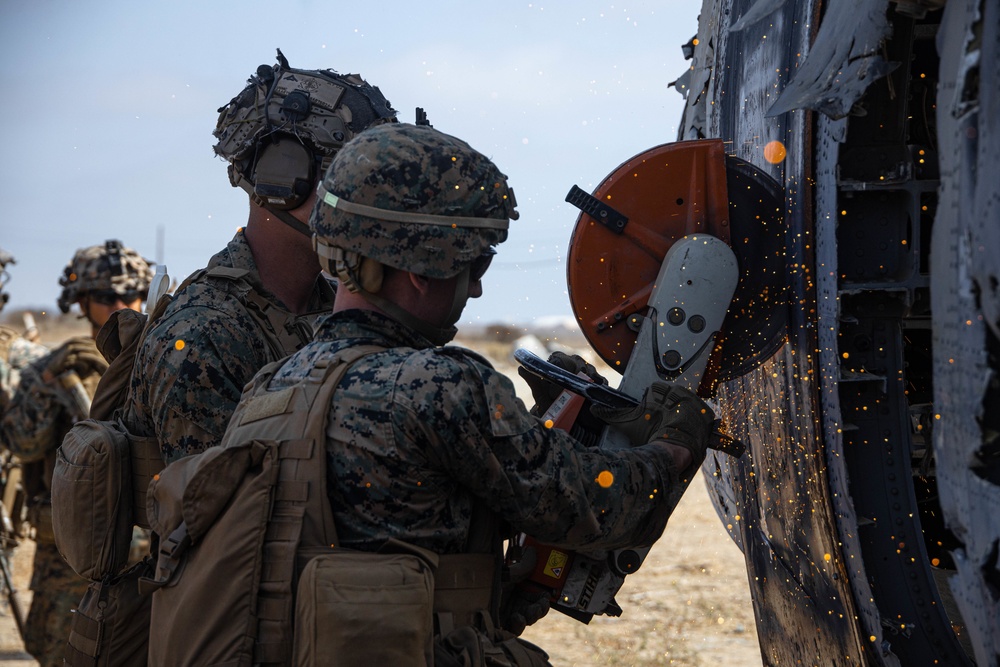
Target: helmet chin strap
x=461 y=296
x=291 y=221
x=345 y=265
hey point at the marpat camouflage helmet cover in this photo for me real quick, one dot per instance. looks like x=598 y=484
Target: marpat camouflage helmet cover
x=413 y=198
x=307 y=114
x=111 y=267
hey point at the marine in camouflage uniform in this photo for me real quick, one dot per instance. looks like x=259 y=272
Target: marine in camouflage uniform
x=54 y=393
x=419 y=435
x=259 y=298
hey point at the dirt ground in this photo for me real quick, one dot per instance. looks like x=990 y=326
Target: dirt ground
x=689 y=605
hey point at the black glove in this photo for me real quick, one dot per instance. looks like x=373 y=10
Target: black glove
x=521 y=605
x=77 y=354
x=666 y=412
x=545 y=391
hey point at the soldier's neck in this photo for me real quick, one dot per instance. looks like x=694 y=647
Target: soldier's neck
x=287 y=264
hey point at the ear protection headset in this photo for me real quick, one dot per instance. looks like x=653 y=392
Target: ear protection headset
x=290 y=144
x=282 y=171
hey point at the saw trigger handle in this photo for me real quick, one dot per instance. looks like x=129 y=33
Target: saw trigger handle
x=725 y=443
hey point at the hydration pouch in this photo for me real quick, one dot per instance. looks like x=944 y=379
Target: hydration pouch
x=362 y=608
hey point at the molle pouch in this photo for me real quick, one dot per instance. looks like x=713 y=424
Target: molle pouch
x=111 y=624
x=362 y=608
x=92 y=506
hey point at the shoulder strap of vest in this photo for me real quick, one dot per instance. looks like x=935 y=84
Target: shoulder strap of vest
x=319 y=386
x=113 y=392
x=299 y=499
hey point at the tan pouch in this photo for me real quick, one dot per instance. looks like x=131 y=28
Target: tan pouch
x=92 y=513
x=361 y=608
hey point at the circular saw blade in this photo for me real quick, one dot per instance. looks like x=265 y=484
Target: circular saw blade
x=665 y=193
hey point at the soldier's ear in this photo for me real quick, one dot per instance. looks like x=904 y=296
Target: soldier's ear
x=421 y=283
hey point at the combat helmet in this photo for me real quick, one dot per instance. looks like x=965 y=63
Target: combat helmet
x=415 y=199
x=281 y=132
x=105 y=272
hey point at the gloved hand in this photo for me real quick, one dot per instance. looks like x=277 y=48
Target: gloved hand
x=77 y=354
x=667 y=411
x=545 y=392
x=521 y=606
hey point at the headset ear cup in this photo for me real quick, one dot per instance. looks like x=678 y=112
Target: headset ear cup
x=370 y=275
x=283 y=176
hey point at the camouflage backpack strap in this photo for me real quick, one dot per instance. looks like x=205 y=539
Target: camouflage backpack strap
x=301 y=524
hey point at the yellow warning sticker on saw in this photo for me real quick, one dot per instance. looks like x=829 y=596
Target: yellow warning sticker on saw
x=555 y=567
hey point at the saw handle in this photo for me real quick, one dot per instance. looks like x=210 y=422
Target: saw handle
x=725 y=443
x=566 y=407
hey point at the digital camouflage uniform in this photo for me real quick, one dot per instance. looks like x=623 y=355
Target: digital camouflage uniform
x=192 y=366
x=16 y=353
x=33 y=426
x=420 y=437
x=418 y=432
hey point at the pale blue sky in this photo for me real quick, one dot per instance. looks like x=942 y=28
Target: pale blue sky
x=109 y=108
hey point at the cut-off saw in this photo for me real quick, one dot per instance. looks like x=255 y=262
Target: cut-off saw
x=675 y=272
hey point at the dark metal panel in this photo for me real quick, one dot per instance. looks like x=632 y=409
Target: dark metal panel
x=837 y=505
x=965 y=297
x=830 y=134
x=843 y=60
x=777 y=499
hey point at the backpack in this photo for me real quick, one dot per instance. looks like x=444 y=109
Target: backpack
x=102 y=470
x=256 y=509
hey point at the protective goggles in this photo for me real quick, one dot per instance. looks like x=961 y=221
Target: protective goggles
x=111 y=297
x=480 y=264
